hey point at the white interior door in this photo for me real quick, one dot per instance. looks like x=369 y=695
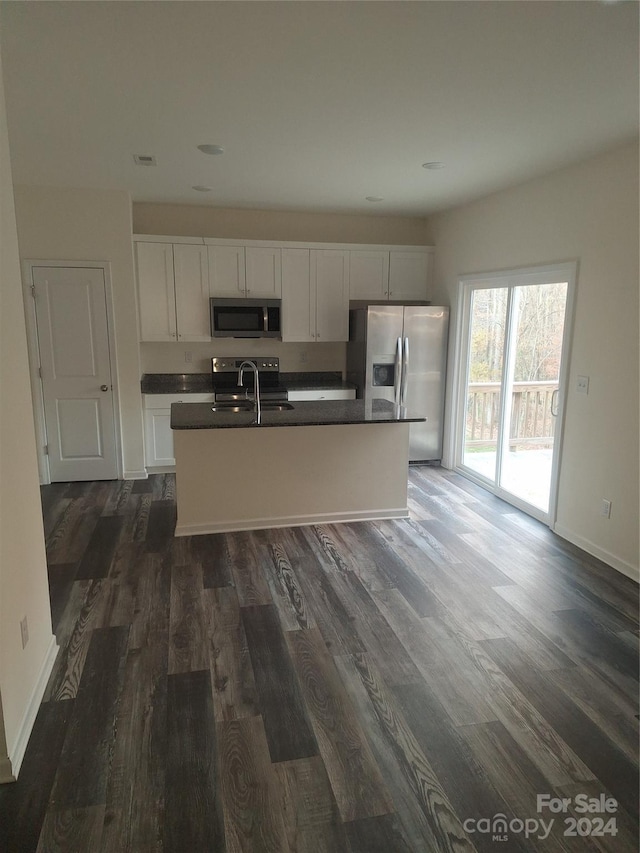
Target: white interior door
x=73 y=339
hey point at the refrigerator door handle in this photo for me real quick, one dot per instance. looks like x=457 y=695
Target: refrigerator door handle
x=397 y=384
x=405 y=373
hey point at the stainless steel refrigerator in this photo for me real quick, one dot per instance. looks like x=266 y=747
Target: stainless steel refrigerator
x=398 y=353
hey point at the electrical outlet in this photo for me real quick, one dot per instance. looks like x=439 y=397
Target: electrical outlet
x=24 y=631
x=304 y=357
x=582 y=385
x=188 y=357
x=605 y=508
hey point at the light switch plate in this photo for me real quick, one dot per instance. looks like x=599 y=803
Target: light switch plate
x=582 y=386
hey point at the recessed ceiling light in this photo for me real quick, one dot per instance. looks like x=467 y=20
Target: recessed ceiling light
x=199 y=188
x=211 y=149
x=374 y=198
x=144 y=160
x=433 y=164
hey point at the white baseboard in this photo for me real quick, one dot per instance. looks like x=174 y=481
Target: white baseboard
x=16 y=754
x=136 y=475
x=231 y=526
x=6 y=771
x=591 y=548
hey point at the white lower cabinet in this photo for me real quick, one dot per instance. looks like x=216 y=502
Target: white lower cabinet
x=158 y=438
x=158 y=435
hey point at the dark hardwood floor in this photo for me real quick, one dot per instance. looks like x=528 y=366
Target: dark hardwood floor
x=368 y=688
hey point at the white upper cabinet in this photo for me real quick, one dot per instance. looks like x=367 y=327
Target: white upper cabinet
x=298 y=300
x=177 y=275
x=263 y=272
x=315 y=295
x=156 y=291
x=173 y=289
x=330 y=278
x=192 y=292
x=408 y=274
x=395 y=275
x=251 y=271
x=369 y=275
x=226 y=271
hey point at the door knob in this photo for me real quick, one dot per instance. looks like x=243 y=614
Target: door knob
x=104 y=387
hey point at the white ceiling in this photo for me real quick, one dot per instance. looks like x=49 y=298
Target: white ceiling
x=317 y=104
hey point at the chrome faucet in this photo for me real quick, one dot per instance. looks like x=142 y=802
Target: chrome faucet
x=256 y=385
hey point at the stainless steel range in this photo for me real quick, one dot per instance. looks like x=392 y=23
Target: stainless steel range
x=225 y=379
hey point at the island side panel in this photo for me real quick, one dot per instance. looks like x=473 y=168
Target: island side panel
x=257 y=477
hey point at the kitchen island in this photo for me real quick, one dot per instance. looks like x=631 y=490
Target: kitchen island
x=315 y=462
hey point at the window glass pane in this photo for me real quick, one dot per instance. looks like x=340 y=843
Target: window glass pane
x=538 y=319
x=488 y=311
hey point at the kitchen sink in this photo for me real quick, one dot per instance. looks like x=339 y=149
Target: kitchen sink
x=248 y=406
x=232 y=407
x=275 y=407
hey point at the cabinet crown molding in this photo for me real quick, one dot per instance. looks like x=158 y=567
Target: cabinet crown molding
x=282 y=244
x=158 y=238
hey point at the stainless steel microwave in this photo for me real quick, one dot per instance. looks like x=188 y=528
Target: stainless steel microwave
x=245 y=318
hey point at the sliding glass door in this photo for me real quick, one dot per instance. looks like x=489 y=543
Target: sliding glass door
x=513 y=331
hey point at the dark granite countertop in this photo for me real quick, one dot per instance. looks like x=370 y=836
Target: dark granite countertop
x=199 y=383
x=321 y=413
x=176 y=383
x=314 y=381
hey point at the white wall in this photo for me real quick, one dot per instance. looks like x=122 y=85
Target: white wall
x=23 y=570
x=587 y=212
x=191 y=220
x=93 y=225
x=294 y=357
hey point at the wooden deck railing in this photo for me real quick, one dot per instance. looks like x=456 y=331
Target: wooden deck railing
x=532 y=423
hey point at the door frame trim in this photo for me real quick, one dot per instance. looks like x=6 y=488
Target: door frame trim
x=37 y=394
x=568 y=270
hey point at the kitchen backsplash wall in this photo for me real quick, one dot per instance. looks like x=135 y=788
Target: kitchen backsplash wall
x=303 y=357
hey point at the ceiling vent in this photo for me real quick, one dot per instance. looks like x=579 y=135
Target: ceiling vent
x=144 y=160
